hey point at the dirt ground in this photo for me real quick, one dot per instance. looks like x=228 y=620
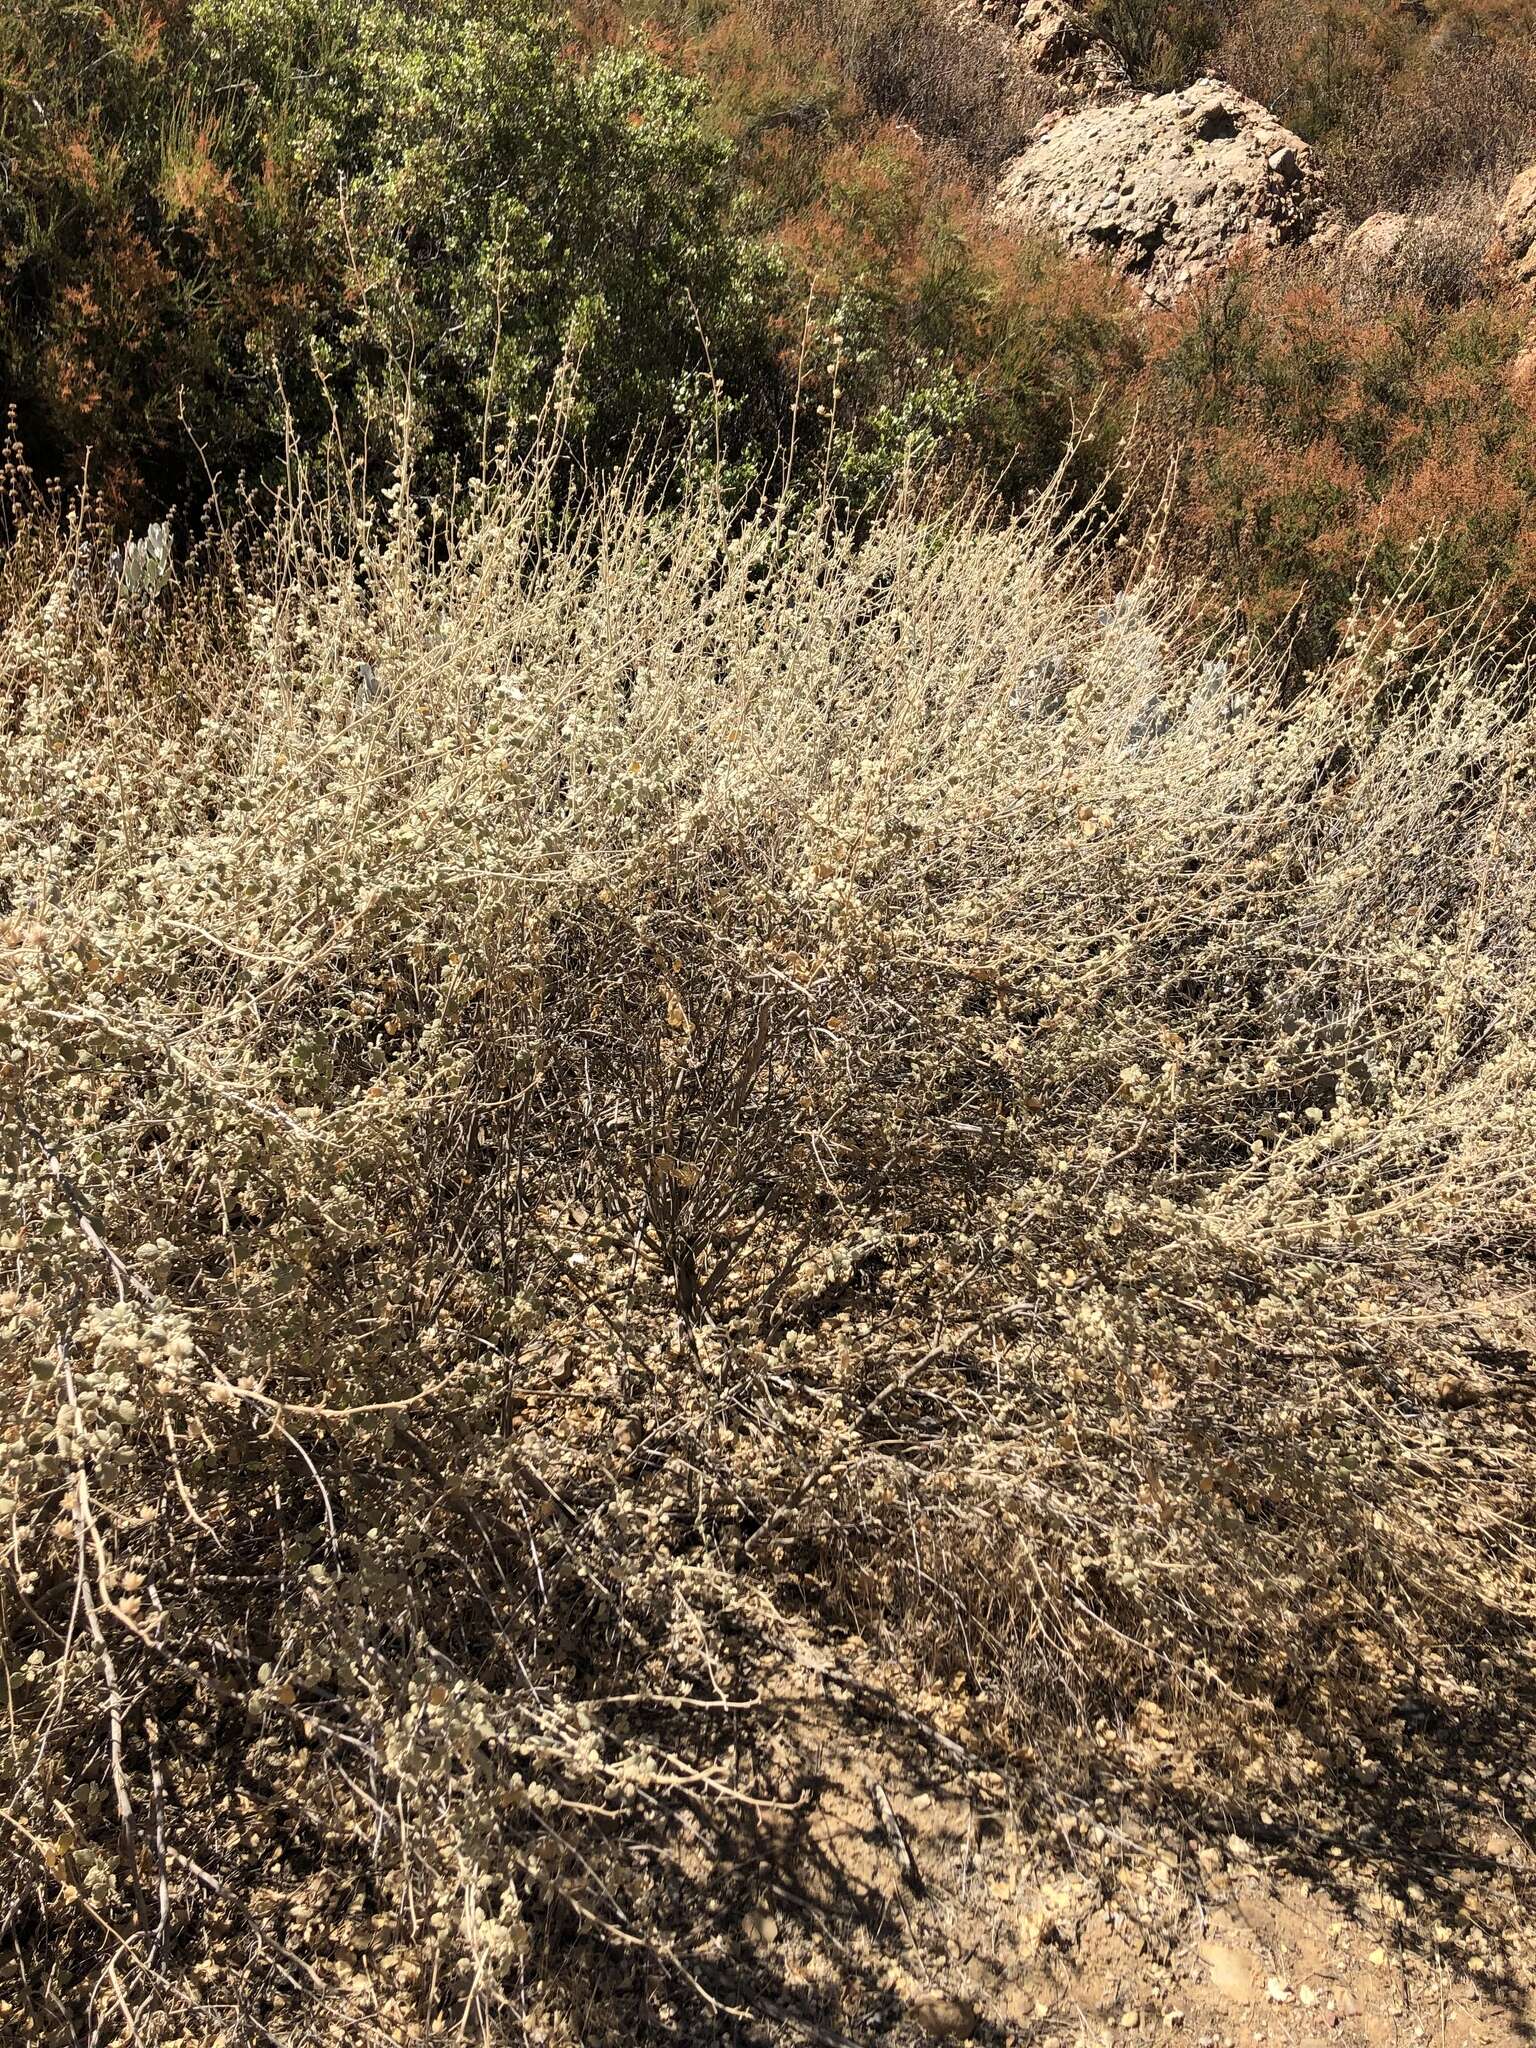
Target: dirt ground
x=905 y=1895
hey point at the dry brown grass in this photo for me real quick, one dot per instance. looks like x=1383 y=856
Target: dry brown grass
x=1455 y=110
x=953 y=74
x=1441 y=259
x=732 y=1081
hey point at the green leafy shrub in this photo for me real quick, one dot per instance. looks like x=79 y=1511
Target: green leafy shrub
x=248 y=205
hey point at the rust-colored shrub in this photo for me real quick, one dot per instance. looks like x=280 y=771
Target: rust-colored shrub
x=1326 y=458
x=142 y=288
x=918 y=310
x=911 y=332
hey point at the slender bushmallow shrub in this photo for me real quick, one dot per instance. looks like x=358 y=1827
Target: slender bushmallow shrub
x=596 y=1092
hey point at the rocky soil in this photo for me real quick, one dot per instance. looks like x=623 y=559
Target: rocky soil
x=917 y=1896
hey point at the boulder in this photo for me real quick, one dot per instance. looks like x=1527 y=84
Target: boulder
x=1520 y=377
x=1059 y=43
x=1168 y=186
x=1514 y=244
x=1376 y=243
x=1375 y=256
x=1438 y=257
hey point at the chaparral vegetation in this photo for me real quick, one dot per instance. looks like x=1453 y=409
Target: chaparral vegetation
x=767 y=1042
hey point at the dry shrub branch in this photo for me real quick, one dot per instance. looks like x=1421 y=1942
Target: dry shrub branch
x=591 y=1093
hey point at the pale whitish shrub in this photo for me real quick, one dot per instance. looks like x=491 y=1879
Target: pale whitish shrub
x=747 y=1065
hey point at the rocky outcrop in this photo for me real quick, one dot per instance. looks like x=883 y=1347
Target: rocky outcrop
x=1058 y=43
x=1373 y=259
x=1169 y=186
x=1514 y=245
x=1051 y=54
x=1437 y=257
x=1376 y=245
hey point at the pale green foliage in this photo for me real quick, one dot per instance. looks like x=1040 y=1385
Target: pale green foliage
x=145 y=566
x=737 y=1071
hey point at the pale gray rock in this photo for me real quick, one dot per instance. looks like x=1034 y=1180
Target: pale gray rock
x=1169 y=187
x=1058 y=42
x=1514 y=247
